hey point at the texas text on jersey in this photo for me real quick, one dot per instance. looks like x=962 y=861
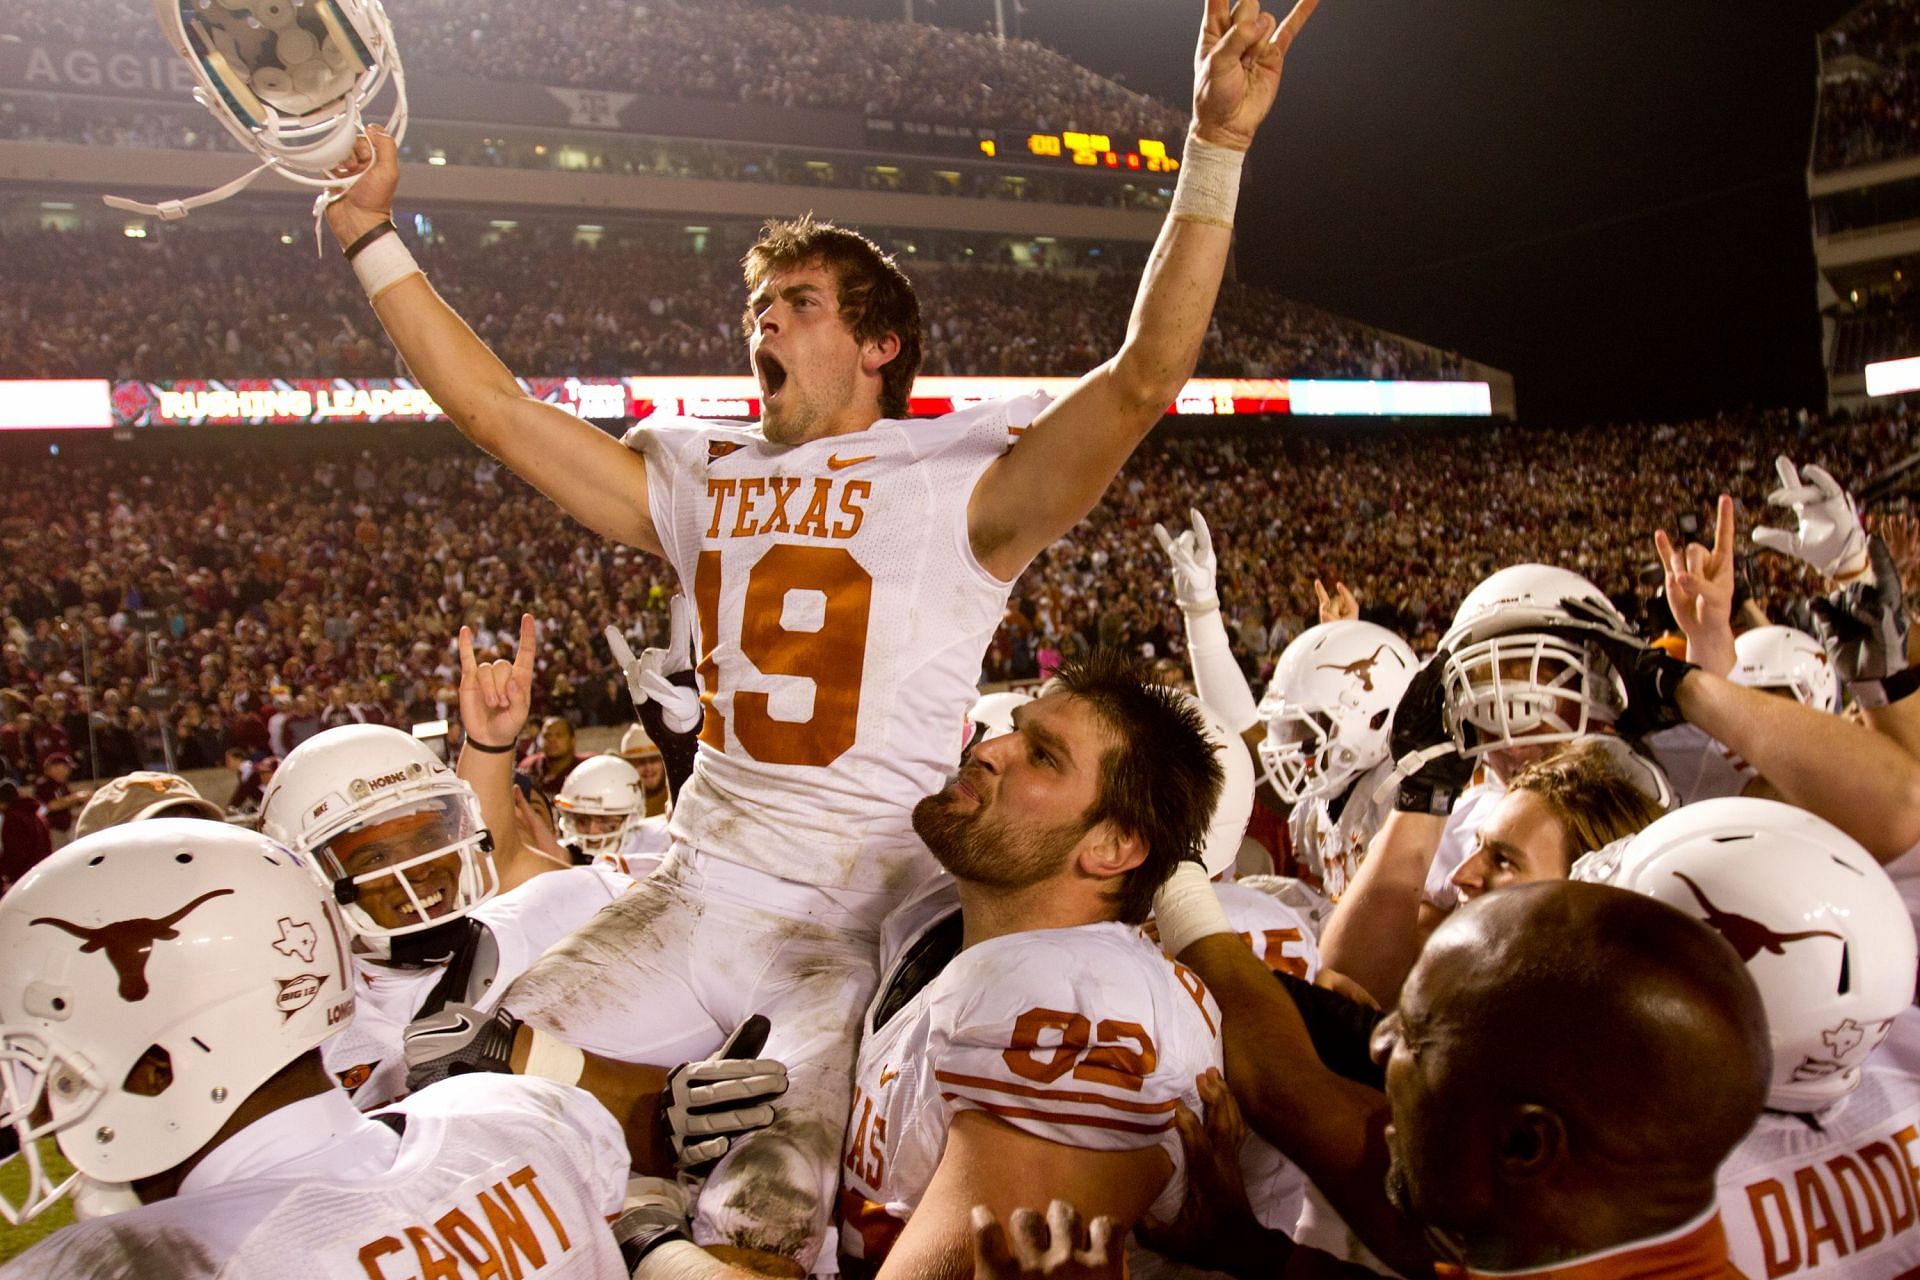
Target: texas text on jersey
x=842 y=616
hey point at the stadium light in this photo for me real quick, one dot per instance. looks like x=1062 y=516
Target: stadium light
x=1893 y=377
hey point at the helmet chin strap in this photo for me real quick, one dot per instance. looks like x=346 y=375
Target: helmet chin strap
x=428 y=947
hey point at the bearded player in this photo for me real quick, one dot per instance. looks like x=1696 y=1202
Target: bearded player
x=848 y=571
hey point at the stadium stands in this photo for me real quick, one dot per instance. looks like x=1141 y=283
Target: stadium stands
x=1868 y=90
x=343 y=576
x=245 y=304
x=723 y=50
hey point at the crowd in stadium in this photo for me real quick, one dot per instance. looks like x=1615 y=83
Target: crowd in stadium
x=330 y=590
x=248 y=305
x=1868 y=94
x=1426 y=849
x=48 y=119
x=726 y=50
x=289 y=612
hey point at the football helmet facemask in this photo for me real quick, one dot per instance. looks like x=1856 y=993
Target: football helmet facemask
x=394 y=832
x=599 y=805
x=1329 y=707
x=1519 y=670
x=292 y=80
x=152 y=976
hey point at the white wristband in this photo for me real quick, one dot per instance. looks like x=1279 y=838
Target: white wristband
x=1209 y=184
x=1187 y=910
x=383 y=264
x=551 y=1058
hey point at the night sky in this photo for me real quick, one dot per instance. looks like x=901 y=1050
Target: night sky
x=1605 y=197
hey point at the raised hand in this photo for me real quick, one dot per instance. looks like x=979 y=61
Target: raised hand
x=1699 y=583
x=1055 y=1247
x=496 y=696
x=1829 y=536
x=1340 y=607
x=1429 y=770
x=1652 y=677
x=1195 y=567
x=1237 y=68
x=1863 y=625
x=1216 y=1228
x=374 y=168
x=649 y=675
x=1901 y=532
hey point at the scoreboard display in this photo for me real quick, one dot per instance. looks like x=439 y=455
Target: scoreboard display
x=1109 y=151
x=1090 y=151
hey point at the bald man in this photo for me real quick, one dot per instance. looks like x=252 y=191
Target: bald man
x=1513 y=1136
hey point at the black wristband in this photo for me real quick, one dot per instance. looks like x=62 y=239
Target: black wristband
x=385 y=228
x=639 y=1233
x=478 y=745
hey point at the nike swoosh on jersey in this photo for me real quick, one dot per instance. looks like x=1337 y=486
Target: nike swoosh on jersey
x=837 y=463
x=886 y=1076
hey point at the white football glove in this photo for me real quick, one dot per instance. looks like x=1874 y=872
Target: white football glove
x=1194 y=565
x=710 y=1104
x=647 y=674
x=1829 y=537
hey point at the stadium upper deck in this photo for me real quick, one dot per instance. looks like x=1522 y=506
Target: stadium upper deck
x=1864 y=178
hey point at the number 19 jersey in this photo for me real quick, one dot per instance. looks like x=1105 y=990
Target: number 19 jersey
x=841 y=617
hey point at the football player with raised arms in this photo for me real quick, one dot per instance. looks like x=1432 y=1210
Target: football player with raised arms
x=166 y=988
x=848 y=570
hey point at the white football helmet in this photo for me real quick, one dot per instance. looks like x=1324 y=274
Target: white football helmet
x=599 y=805
x=1518 y=672
x=152 y=976
x=1235 y=807
x=292 y=80
x=1821 y=927
x=431 y=859
x=1788 y=660
x=992 y=714
x=1329 y=707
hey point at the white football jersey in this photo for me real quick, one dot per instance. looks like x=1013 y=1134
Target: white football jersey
x=1279 y=934
x=1698 y=766
x=841 y=617
x=1459 y=838
x=644 y=847
x=1087 y=1037
x=1321 y=1230
x=1286 y=942
x=489 y=1175
x=368 y=1056
x=1332 y=848
x=1835 y=1195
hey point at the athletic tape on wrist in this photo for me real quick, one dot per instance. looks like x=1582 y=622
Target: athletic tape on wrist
x=553 y=1059
x=1187 y=910
x=383 y=264
x=1209 y=183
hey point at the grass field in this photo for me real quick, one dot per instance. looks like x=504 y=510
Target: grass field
x=13 y=1185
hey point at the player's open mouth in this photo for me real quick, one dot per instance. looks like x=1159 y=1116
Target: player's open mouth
x=427 y=904
x=773 y=375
